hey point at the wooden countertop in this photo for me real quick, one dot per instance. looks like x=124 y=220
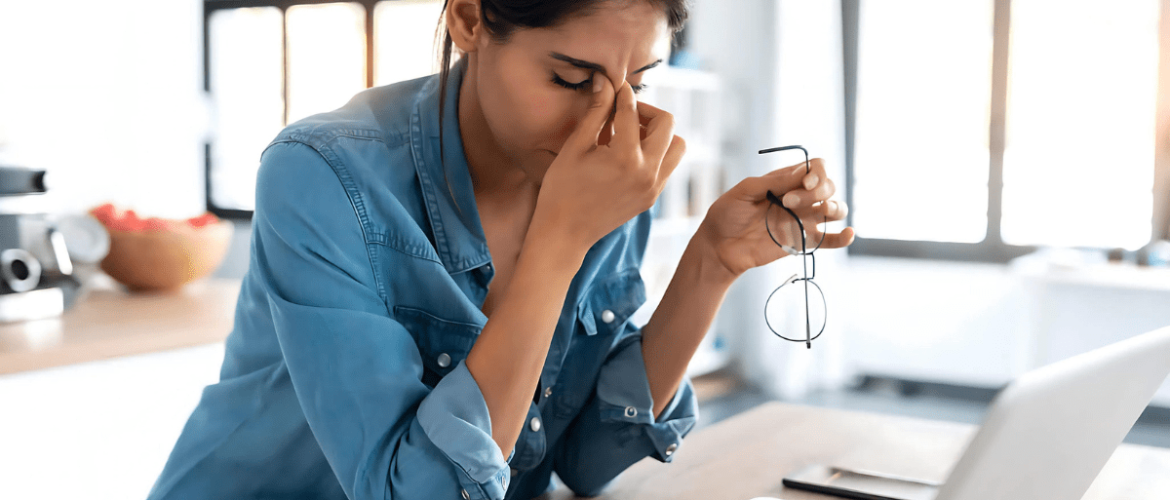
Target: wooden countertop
x=108 y=321
x=748 y=455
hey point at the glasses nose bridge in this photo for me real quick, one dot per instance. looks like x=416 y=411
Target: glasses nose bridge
x=813 y=257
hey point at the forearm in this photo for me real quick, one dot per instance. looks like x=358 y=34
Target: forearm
x=509 y=354
x=673 y=334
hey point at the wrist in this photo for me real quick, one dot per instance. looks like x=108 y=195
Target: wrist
x=552 y=246
x=703 y=258
x=550 y=228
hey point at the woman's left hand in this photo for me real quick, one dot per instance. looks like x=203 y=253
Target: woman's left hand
x=734 y=229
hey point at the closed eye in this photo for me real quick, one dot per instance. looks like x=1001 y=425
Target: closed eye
x=587 y=84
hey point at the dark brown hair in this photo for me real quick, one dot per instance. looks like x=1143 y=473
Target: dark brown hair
x=502 y=18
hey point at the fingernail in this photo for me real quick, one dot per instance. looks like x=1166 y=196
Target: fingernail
x=811 y=181
x=791 y=200
x=596 y=84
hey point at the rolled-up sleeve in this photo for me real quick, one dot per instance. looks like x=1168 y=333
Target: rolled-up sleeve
x=356 y=371
x=617 y=427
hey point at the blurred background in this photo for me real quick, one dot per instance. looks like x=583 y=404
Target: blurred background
x=1006 y=164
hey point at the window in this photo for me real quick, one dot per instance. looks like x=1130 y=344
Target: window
x=1080 y=123
x=270 y=63
x=980 y=129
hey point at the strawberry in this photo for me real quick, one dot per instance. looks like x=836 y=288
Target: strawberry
x=129 y=220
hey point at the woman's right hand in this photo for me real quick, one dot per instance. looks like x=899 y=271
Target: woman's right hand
x=590 y=189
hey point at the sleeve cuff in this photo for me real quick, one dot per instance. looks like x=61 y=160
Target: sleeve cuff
x=623 y=394
x=455 y=418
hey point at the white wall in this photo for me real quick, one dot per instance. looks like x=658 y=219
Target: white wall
x=106 y=96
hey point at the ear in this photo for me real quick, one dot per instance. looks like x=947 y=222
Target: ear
x=464 y=24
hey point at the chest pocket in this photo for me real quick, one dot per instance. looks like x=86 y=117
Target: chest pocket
x=611 y=301
x=602 y=313
x=441 y=343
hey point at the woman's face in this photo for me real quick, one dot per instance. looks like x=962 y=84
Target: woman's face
x=520 y=87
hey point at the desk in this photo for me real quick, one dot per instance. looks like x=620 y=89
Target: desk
x=107 y=321
x=748 y=455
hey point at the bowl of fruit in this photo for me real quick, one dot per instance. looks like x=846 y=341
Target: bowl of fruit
x=161 y=254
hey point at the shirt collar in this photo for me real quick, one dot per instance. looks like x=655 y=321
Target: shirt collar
x=450 y=198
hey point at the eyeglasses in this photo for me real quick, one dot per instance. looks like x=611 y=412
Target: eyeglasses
x=787 y=227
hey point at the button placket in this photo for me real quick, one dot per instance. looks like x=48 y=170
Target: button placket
x=530 y=447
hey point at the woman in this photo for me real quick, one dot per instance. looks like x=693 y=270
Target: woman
x=455 y=325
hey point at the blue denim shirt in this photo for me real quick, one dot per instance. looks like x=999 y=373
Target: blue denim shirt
x=344 y=375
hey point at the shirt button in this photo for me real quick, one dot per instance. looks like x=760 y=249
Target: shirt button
x=444 y=360
x=534 y=424
x=548 y=392
x=466 y=496
x=607 y=316
x=631 y=411
x=670 y=449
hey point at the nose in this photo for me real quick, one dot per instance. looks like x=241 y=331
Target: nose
x=607 y=131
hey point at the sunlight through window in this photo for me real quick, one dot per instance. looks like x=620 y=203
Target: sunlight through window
x=246 y=82
x=404 y=40
x=923 y=102
x=1079 y=160
x=326 y=57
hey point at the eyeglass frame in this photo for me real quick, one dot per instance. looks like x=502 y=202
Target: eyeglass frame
x=804 y=252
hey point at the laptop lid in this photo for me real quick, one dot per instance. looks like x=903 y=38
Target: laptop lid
x=1049 y=433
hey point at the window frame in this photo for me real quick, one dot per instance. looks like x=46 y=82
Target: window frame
x=993 y=249
x=209 y=8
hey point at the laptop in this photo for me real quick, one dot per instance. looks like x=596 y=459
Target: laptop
x=1046 y=436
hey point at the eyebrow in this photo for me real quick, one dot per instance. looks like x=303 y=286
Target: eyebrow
x=594 y=66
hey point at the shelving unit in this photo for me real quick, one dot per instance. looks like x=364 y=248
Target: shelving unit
x=692 y=96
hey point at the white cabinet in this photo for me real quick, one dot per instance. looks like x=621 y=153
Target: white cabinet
x=98 y=430
x=985 y=324
x=1076 y=311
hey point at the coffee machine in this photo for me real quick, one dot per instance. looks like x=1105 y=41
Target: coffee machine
x=36 y=273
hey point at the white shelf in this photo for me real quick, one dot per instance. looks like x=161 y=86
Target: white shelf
x=692 y=97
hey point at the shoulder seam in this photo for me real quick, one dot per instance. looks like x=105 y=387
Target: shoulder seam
x=369 y=235
x=355 y=200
